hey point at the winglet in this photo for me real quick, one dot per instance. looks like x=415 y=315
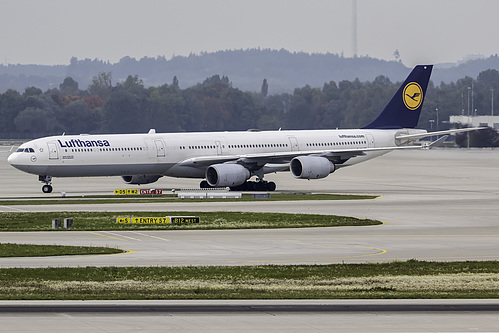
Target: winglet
x=404 y=108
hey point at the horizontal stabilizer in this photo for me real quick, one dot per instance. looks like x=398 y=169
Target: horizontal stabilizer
x=414 y=137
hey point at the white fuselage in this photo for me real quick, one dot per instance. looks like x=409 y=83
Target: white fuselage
x=162 y=154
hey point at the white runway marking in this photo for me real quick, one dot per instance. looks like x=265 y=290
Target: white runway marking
x=8 y=209
x=120 y=235
x=151 y=236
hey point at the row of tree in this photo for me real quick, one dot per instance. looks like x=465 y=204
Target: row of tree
x=214 y=105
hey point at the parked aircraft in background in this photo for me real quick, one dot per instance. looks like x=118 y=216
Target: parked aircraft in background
x=230 y=159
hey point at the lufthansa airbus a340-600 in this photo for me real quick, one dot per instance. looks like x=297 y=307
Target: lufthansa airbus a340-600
x=230 y=159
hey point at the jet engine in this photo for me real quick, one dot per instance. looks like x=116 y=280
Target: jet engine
x=311 y=167
x=220 y=175
x=141 y=179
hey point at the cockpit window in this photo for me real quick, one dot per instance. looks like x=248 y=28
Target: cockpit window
x=26 y=150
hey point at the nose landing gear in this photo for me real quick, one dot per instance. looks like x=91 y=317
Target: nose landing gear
x=47 y=188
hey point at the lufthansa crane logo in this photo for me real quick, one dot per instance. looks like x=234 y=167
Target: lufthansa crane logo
x=412 y=95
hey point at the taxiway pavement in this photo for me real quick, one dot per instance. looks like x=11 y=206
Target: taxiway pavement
x=314 y=316
x=437 y=205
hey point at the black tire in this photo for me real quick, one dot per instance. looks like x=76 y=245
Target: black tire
x=261 y=186
x=204 y=184
x=241 y=188
x=47 y=189
x=251 y=186
x=271 y=186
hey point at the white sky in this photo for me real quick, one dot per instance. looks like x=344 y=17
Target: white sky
x=424 y=31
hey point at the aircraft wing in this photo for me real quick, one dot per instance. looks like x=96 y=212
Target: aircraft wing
x=260 y=159
x=203 y=161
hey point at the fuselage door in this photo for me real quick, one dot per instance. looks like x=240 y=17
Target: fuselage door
x=53 y=153
x=370 y=141
x=160 y=148
x=219 y=148
x=294 y=143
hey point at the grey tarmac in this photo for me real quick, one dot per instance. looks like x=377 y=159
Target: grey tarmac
x=314 y=316
x=437 y=205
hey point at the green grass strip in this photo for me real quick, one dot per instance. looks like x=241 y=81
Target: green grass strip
x=171 y=198
x=29 y=250
x=412 y=279
x=20 y=221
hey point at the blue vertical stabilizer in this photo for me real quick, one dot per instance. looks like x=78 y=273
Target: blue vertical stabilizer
x=404 y=108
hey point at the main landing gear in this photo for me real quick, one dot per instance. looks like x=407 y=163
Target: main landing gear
x=47 y=188
x=261 y=185
x=255 y=186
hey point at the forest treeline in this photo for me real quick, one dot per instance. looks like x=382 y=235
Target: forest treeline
x=246 y=69
x=215 y=105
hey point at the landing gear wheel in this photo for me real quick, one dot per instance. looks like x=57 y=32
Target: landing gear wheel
x=241 y=187
x=250 y=186
x=260 y=186
x=204 y=184
x=47 y=188
x=271 y=186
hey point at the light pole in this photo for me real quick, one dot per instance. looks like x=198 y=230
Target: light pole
x=431 y=121
x=436 y=109
x=472 y=104
x=492 y=102
x=469 y=119
x=469 y=90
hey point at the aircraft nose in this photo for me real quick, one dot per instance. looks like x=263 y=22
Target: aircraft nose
x=16 y=159
x=12 y=158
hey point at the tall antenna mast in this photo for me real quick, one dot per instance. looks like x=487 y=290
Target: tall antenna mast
x=354 y=28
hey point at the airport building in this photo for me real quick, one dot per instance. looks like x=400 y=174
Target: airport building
x=476 y=121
